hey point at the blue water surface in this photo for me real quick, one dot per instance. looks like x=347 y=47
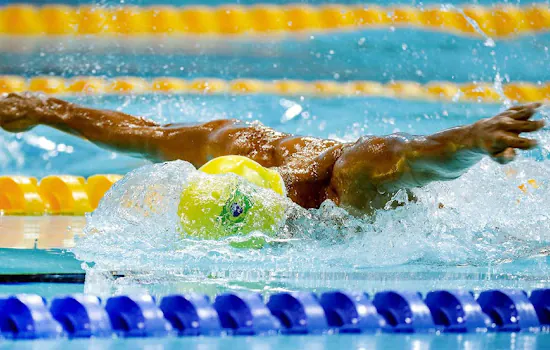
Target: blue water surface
x=375 y=54
x=500 y=341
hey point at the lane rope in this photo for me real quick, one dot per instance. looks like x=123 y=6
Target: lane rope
x=286 y=313
x=499 y=21
x=433 y=91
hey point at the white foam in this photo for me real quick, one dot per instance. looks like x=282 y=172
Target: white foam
x=485 y=218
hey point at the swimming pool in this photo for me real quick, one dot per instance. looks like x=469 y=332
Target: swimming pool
x=416 y=247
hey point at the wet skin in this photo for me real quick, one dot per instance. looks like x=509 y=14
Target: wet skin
x=360 y=176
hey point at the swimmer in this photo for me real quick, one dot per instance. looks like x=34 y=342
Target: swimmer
x=360 y=176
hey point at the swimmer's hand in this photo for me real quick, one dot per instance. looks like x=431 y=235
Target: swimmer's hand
x=499 y=136
x=20 y=112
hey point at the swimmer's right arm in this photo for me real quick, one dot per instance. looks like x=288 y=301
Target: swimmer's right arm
x=372 y=169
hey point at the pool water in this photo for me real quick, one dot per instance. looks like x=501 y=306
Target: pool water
x=375 y=54
x=521 y=264
x=489 y=234
x=310 y=342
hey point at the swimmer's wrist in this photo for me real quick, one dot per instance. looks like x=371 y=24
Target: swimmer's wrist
x=473 y=140
x=53 y=111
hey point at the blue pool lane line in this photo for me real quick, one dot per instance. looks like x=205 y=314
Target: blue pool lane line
x=30 y=316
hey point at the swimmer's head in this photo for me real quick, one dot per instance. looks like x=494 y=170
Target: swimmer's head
x=219 y=204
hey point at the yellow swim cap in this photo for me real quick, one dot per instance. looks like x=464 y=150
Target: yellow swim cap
x=247 y=168
x=220 y=204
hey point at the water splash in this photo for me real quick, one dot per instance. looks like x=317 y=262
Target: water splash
x=490 y=43
x=491 y=215
x=544 y=134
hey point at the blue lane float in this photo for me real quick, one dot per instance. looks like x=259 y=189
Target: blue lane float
x=457 y=311
x=299 y=313
x=191 y=314
x=510 y=310
x=82 y=316
x=137 y=316
x=351 y=312
x=245 y=314
x=29 y=316
x=405 y=312
x=26 y=316
x=540 y=299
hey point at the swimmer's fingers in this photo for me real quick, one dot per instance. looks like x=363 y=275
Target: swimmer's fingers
x=519 y=126
x=523 y=112
x=533 y=105
x=511 y=140
x=505 y=157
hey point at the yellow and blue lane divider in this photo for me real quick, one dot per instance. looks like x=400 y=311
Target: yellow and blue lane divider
x=444 y=91
x=499 y=21
x=29 y=316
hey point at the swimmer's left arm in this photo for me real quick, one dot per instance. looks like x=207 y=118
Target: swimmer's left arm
x=375 y=165
x=195 y=143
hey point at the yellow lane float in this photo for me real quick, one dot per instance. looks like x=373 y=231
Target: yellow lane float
x=19 y=195
x=53 y=195
x=444 y=91
x=498 y=21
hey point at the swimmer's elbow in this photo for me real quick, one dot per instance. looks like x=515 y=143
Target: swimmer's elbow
x=373 y=160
